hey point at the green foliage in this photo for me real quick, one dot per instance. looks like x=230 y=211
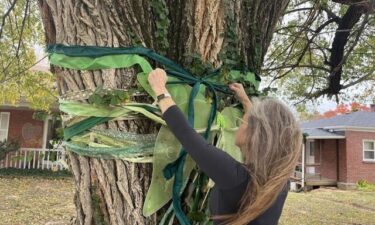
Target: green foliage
x=198 y=67
x=21 y=32
x=248 y=79
x=234 y=68
x=59 y=133
x=229 y=54
x=304 y=114
x=197 y=216
x=162 y=22
x=220 y=120
x=28 y=158
x=364 y=185
x=8 y=146
x=166 y=150
x=297 y=59
x=40 y=115
x=136 y=41
x=105 y=97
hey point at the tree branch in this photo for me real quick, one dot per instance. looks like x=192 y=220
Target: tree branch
x=5 y=79
x=295 y=26
x=297 y=66
x=321 y=49
x=22 y=27
x=359 y=80
x=351 y=2
x=311 y=18
x=329 y=12
x=321 y=27
x=5 y=16
x=338 y=58
x=297 y=10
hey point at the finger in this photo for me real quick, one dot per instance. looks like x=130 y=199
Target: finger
x=233 y=88
x=160 y=71
x=239 y=85
x=151 y=73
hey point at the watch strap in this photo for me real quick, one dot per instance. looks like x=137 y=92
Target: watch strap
x=162 y=96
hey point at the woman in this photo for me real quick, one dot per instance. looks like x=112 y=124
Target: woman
x=269 y=137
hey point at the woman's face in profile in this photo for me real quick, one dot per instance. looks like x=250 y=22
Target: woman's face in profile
x=241 y=133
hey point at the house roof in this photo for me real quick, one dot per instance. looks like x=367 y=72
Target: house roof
x=319 y=133
x=356 y=119
x=332 y=128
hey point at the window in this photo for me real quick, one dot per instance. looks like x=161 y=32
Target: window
x=368 y=150
x=4 y=125
x=312 y=148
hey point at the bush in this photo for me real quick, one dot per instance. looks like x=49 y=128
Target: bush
x=364 y=185
x=8 y=146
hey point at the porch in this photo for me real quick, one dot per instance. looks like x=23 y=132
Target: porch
x=36 y=158
x=311 y=179
x=319 y=161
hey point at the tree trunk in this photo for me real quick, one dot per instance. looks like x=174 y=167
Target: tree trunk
x=113 y=191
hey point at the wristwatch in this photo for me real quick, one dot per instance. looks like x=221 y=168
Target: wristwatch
x=163 y=96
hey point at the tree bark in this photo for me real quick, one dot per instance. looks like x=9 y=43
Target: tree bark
x=113 y=191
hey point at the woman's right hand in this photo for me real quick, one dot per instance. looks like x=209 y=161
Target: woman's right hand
x=157 y=80
x=241 y=95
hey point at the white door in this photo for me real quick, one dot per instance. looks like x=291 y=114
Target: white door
x=310 y=156
x=4 y=125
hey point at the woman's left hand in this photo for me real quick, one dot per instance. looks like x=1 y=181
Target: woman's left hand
x=157 y=80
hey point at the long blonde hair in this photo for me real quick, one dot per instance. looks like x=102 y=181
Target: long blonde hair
x=273 y=143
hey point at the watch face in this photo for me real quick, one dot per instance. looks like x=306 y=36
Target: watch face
x=162 y=96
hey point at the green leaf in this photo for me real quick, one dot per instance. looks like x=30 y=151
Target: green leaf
x=145 y=113
x=227 y=138
x=220 y=120
x=234 y=75
x=167 y=149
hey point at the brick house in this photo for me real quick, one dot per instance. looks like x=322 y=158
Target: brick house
x=17 y=122
x=338 y=151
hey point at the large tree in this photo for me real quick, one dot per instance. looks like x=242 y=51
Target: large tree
x=211 y=32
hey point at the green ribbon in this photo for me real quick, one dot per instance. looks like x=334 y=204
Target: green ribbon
x=99 y=114
x=103 y=62
x=94 y=57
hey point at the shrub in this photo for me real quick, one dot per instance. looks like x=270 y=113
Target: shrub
x=364 y=185
x=8 y=146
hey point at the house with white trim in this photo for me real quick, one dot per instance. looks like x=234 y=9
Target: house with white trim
x=338 y=151
x=18 y=123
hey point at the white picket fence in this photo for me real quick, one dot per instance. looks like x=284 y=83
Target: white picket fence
x=36 y=158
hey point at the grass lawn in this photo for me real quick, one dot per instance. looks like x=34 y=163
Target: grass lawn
x=329 y=206
x=48 y=201
x=36 y=201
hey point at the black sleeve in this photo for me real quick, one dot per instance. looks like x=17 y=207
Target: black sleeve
x=224 y=170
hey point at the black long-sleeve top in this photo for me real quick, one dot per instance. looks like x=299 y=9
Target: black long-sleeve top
x=231 y=177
